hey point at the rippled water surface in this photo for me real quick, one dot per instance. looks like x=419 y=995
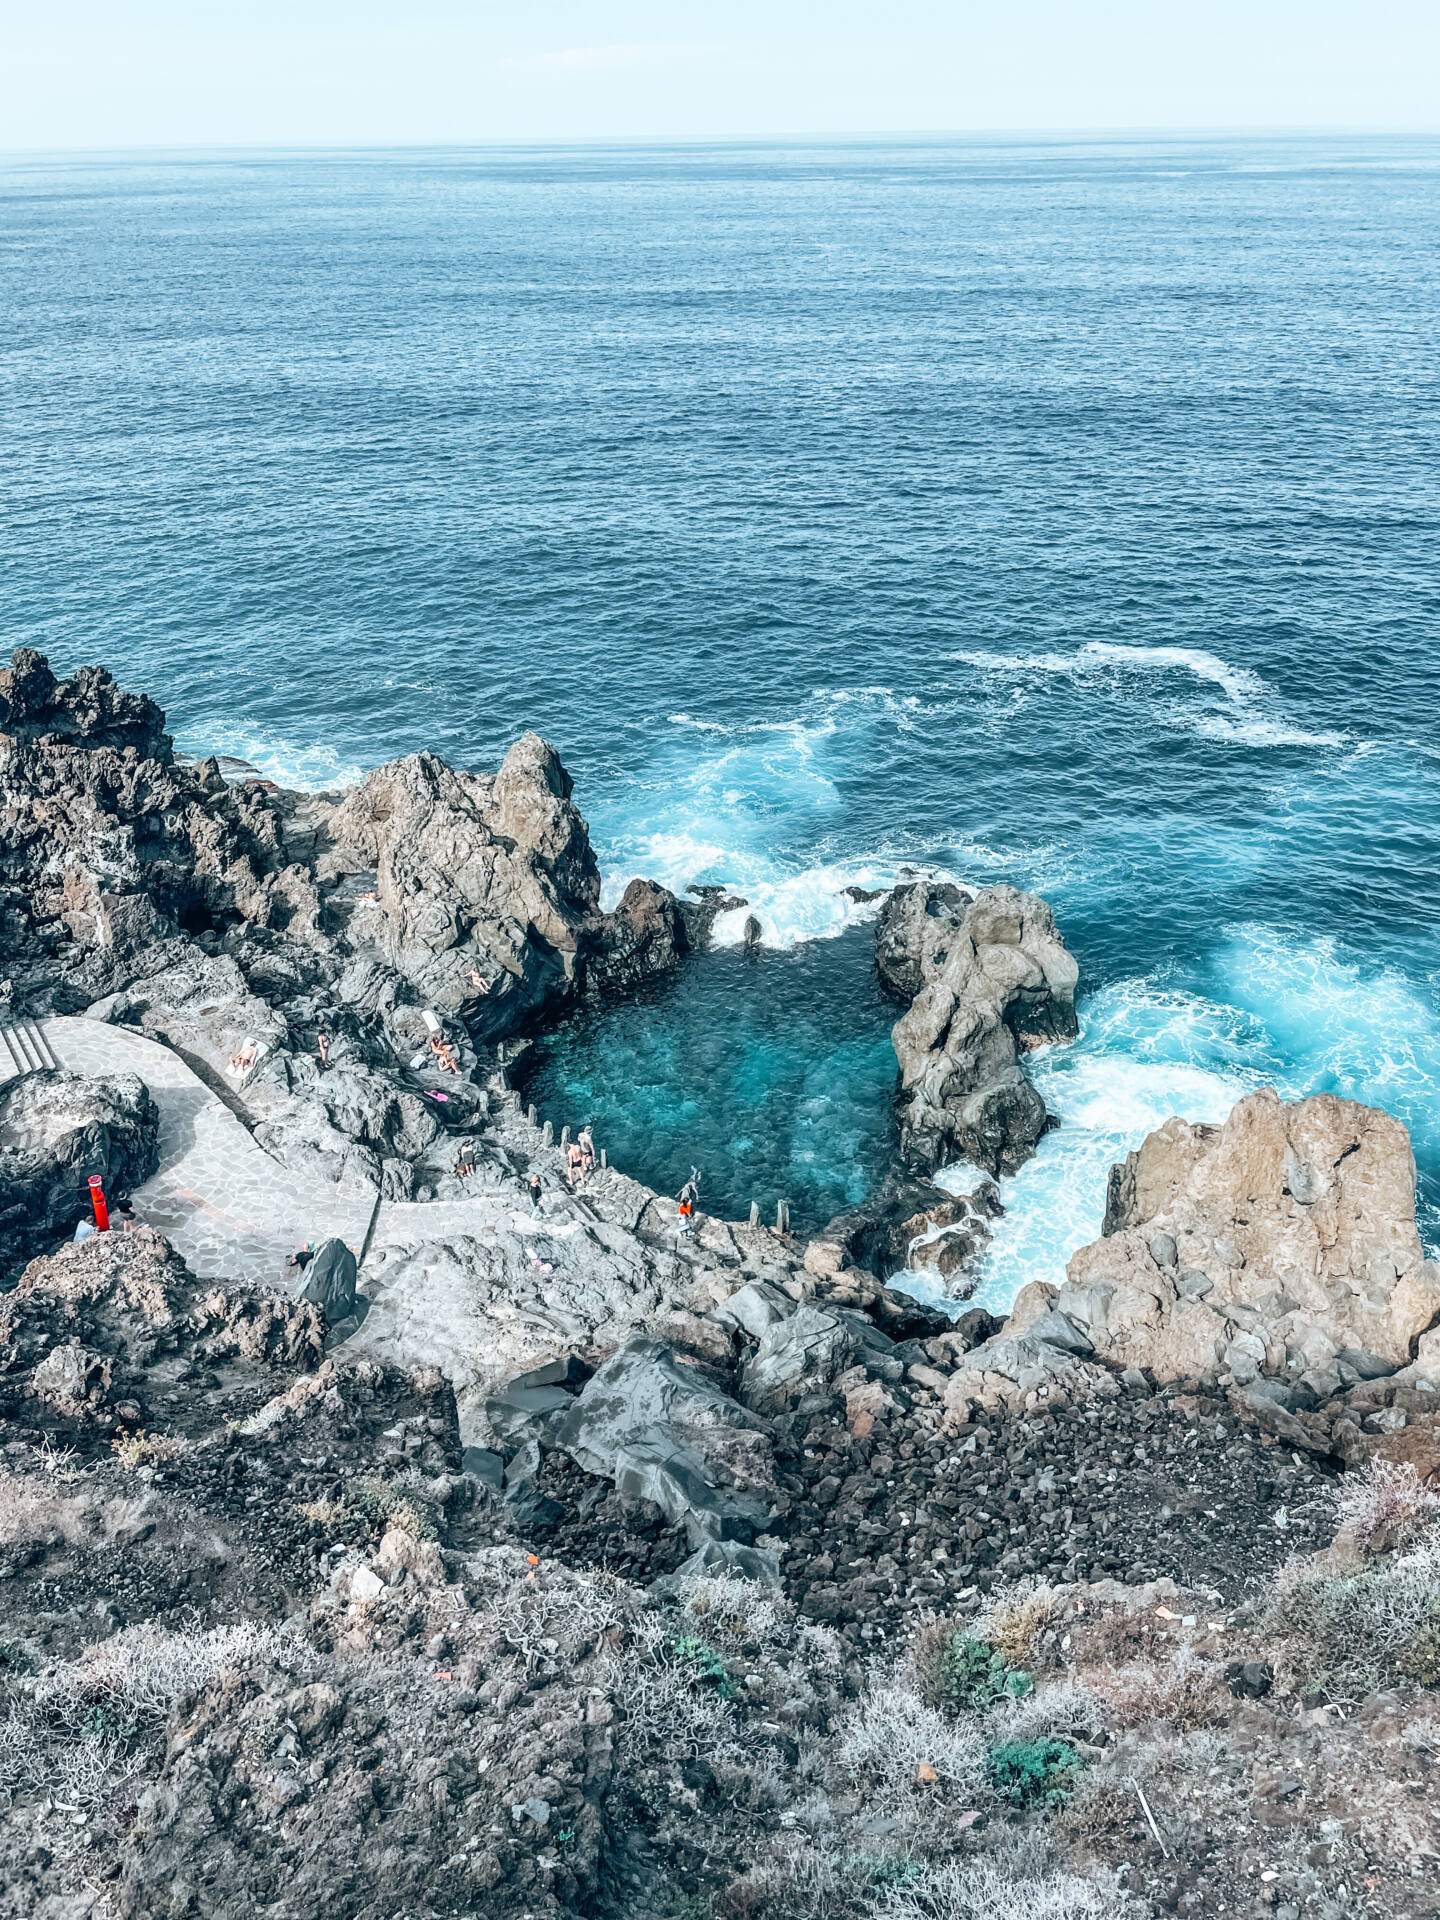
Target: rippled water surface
x=1065 y=514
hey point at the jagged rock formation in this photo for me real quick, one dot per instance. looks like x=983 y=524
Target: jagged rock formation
x=56 y=1129
x=1275 y=1257
x=212 y=915
x=93 y=1336
x=1281 y=1244
x=991 y=979
x=910 y=1224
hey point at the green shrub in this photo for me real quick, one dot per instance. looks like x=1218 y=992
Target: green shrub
x=877 y=1873
x=1420 y=1660
x=1031 y=1773
x=708 y=1664
x=970 y=1674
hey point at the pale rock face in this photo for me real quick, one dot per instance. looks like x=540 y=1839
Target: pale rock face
x=994 y=979
x=1293 y=1229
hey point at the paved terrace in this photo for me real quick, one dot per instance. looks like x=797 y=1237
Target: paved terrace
x=234 y=1212
x=231 y=1210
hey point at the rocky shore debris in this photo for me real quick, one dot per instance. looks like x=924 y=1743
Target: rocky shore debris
x=276 y=1643
x=987 y=978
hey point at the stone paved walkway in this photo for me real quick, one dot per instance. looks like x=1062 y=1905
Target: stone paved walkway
x=231 y=1211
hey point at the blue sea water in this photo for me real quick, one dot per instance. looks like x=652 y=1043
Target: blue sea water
x=1063 y=513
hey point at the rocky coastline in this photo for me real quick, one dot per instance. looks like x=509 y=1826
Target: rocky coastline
x=553 y=1562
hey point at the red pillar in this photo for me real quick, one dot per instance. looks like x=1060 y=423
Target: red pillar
x=97 y=1200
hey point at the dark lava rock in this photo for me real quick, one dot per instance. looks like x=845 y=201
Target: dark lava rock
x=56 y=1130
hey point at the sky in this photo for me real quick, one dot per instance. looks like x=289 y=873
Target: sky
x=147 y=73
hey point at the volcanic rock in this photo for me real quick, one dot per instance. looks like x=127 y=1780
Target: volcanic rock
x=995 y=979
x=1283 y=1243
x=663 y=1432
x=230 y=919
x=57 y=1129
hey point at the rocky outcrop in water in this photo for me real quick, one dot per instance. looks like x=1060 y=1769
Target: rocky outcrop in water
x=1280 y=1245
x=988 y=978
x=1275 y=1257
x=289 y=945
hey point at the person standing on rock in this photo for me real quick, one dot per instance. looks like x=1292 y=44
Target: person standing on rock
x=689 y=1193
x=586 y=1144
x=535 y=1196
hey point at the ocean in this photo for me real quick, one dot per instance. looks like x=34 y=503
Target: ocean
x=1057 y=512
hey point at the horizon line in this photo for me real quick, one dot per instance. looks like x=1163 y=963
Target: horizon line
x=828 y=136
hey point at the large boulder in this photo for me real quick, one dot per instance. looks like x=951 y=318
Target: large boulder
x=1280 y=1245
x=811 y=1349
x=663 y=1432
x=483 y=884
x=1047 y=1358
x=330 y=1281
x=645 y=935
x=995 y=980
x=487 y=889
x=56 y=1130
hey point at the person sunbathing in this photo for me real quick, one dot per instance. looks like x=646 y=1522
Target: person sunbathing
x=444 y=1054
x=244 y=1060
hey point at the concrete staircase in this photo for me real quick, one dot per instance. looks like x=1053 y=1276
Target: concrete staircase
x=23 y=1049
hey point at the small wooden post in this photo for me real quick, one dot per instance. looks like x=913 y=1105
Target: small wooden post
x=547 y=1137
x=564 y=1136
x=604 y=1158
x=531 y=1114
x=754 y=1213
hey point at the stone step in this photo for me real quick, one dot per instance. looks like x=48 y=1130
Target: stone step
x=23 y=1049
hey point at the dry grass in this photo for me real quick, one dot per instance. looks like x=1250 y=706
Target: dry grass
x=1351 y=1632
x=736 y=1615
x=1184 y=1691
x=1013 y=1624
x=328 y=1514
x=1387 y=1502
x=889 y=1733
x=982 y=1890
x=33 y=1513
x=144 y=1670
x=134 y=1450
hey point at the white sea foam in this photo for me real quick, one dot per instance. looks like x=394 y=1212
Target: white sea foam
x=1257 y=731
x=1249 y=716
x=1239 y=682
x=308 y=768
x=1334 y=1024
x=792 y=906
x=1143 y=1054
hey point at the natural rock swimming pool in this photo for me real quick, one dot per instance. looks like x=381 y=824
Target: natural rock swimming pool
x=773 y=1074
